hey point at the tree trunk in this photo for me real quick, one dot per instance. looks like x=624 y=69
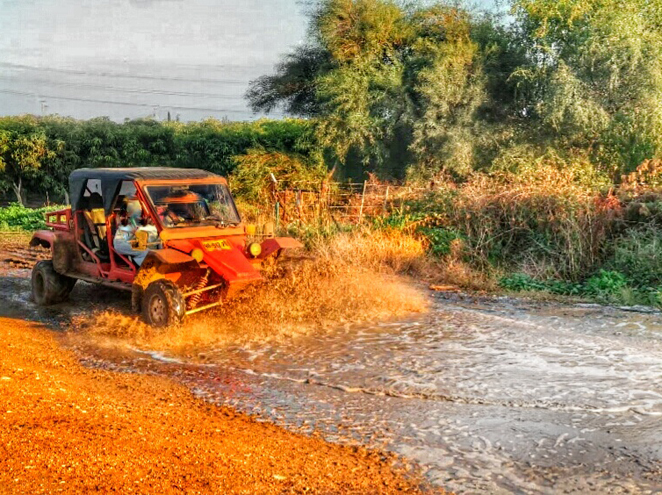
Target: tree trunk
x=17 y=187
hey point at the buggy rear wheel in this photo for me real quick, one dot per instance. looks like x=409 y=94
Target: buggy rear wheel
x=48 y=286
x=162 y=304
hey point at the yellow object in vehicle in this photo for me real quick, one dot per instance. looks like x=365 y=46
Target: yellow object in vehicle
x=142 y=237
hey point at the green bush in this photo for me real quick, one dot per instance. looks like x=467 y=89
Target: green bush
x=17 y=217
x=605 y=284
x=440 y=239
x=638 y=255
x=397 y=221
x=520 y=282
x=211 y=145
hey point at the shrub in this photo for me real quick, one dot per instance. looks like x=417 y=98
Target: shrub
x=638 y=255
x=441 y=240
x=545 y=214
x=252 y=179
x=605 y=284
x=17 y=217
x=521 y=282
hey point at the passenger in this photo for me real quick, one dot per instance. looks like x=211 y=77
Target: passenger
x=134 y=211
x=125 y=238
x=147 y=235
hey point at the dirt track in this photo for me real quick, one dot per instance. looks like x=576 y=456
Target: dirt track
x=66 y=428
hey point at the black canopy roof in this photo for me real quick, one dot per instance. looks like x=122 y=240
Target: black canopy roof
x=112 y=177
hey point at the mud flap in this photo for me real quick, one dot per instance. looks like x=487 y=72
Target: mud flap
x=277 y=245
x=63 y=256
x=137 y=293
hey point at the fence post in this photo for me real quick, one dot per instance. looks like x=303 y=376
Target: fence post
x=277 y=215
x=365 y=183
x=386 y=198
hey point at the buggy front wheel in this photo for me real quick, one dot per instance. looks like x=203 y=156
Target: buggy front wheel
x=162 y=304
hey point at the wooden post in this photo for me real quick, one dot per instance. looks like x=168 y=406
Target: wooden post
x=277 y=215
x=386 y=198
x=365 y=184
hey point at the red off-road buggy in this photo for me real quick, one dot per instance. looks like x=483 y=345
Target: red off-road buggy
x=198 y=255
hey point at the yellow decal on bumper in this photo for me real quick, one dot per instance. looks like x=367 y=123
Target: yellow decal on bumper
x=218 y=245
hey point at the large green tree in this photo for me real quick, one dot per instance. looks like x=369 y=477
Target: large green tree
x=593 y=80
x=387 y=83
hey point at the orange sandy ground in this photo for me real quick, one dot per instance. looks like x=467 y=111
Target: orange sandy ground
x=66 y=428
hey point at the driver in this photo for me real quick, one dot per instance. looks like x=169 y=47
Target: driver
x=182 y=207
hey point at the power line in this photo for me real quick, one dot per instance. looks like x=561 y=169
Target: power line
x=120 y=75
x=147 y=105
x=125 y=90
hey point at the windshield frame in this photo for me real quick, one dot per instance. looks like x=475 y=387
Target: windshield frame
x=145 y=185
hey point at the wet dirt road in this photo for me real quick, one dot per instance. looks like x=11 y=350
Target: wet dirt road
x=492 y=395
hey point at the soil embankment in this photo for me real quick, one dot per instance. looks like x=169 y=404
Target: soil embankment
x=67 y=428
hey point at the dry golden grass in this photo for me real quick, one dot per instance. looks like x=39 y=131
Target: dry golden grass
x=350 y=280
x=391 y=251
x=547 y=215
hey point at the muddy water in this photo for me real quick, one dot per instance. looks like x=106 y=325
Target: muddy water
x=493 y=395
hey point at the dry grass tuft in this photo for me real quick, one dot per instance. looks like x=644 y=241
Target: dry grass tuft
x=392 y=250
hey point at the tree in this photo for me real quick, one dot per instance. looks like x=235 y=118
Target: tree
x=593 y=80
x=387 y=83
x=20 y=158
x=450 y=88
x=293 y=86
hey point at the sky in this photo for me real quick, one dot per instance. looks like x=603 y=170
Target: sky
x=187 y=59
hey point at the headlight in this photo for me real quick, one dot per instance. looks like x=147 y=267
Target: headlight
x=197 y=255
x=254 y=249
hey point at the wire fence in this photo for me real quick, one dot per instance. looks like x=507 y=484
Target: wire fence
x=341 y=202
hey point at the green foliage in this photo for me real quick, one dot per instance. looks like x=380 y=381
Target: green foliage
x=252 y=179
x=440 y=239
x=293 y=85
x=605 y=283
x=606 y=286
x=450 y=88
x=458 y=90
x=311 y=233
x=593 y=80
x=38 y=154
x=17 y=217
x=638 y=255
x=360 y=29
x=383 y=73
x=399 y=221
x=520 y=282
x=22 y=149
